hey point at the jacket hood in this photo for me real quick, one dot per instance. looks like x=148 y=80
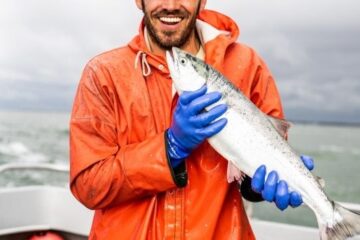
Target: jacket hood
x=216 y=31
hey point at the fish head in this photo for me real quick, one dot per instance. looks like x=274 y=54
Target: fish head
x=188 y=72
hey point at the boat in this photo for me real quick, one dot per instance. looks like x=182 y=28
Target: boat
x=37 y=210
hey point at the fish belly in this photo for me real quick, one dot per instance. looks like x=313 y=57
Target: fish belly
x=246 y=146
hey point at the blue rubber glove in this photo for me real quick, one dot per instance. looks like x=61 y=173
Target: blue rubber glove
x=192 y=124
x=273 y=190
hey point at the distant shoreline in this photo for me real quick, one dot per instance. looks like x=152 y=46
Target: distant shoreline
x=326 y=123
x=295 y=121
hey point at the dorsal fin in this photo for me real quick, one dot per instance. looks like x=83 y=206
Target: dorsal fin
x=282 y=126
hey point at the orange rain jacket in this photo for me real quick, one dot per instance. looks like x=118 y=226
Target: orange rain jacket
x=119 y=165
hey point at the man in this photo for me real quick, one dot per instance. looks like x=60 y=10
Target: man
x=139 y=155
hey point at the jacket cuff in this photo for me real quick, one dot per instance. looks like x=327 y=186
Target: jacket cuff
x=178 y=173
x=248 y=193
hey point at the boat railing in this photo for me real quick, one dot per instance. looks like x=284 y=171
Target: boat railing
x=65 y=168
x=34 y=166
x=54 y=208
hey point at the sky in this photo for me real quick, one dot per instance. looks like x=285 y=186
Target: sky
x=311 y=47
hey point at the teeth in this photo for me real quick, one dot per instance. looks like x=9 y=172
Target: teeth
x=170 y=19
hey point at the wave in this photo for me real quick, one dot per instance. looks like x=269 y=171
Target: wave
x=20 y=152
x=332 y=148
x=338 y=149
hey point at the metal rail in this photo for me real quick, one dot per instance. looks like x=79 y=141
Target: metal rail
x=65 y=168
x=34 y=166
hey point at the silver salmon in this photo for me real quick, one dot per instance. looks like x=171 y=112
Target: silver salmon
x=251 y=139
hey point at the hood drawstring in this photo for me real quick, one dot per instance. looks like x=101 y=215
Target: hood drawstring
x=145 y=67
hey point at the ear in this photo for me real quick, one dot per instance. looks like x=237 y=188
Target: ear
x=139 y=4
x=202 y=4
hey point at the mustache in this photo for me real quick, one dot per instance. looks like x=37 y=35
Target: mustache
x=173 y=13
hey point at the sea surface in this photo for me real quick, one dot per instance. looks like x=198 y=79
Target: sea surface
x=28 y=137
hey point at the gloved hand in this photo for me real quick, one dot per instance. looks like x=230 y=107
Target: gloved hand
x=273 y=190
x=191 y=125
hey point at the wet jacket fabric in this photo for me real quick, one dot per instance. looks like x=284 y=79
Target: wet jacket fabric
x=119 y=166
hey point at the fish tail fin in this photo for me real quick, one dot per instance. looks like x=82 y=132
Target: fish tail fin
x=346 y=223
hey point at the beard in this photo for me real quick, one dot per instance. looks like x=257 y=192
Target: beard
x=168 y=39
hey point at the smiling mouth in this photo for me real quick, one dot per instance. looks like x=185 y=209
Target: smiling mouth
x=170 y=20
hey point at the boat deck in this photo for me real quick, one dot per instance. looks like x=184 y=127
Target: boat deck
x=29 y=209
x=25 y=210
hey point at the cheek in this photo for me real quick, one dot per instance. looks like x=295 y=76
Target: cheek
x=151 y=6
x=191 y=6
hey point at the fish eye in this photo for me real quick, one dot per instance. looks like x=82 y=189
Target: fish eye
x=183 y=61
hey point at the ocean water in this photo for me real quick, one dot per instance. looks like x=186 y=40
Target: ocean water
x=43 y=138
x=27 y=137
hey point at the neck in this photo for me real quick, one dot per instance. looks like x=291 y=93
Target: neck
x=192 y=46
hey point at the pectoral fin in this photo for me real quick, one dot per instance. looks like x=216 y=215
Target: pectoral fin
x=234 y=174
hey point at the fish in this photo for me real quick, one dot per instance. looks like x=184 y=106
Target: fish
x=251 y=139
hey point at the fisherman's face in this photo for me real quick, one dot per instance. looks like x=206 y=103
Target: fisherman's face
x=170 y=22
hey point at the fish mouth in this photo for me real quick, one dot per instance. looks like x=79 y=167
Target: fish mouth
x=172 y=60
x=171 y=56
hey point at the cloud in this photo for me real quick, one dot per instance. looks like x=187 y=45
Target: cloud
x=312 y=49
x=326 y=79
x=45 y=44
x=310 y=46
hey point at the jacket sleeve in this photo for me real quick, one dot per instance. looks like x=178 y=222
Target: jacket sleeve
x=103 y=171
x=264 y=93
